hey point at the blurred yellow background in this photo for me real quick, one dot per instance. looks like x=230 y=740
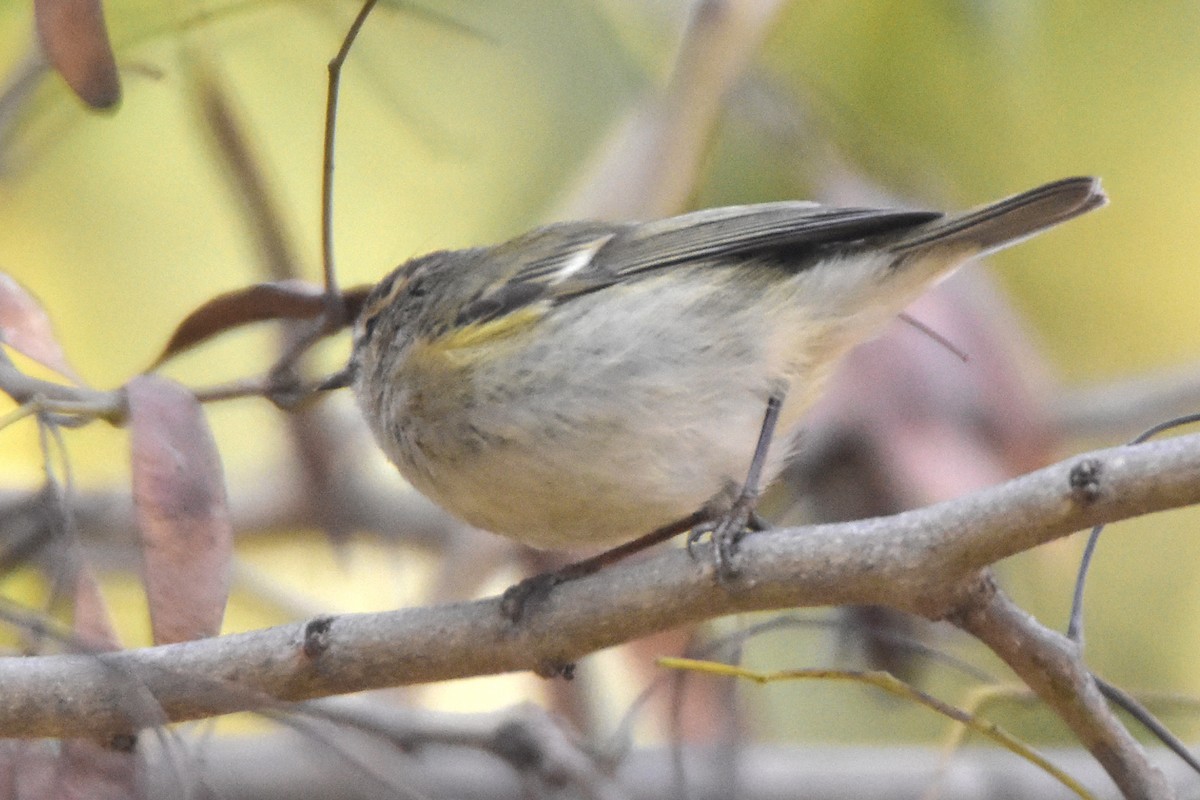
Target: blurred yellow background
x=467 y=133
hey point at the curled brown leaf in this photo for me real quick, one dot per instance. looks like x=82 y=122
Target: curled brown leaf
x=274 y=300
x=289 y=299
x=75 y=41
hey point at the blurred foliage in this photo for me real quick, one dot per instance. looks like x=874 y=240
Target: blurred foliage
x=463 y=122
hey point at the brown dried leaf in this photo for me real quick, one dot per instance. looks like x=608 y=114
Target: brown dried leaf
x=182 y=514
x=75 y=42
x=89 y=770
x=93 y=624
x=25 y=327
x=290 y=299
x=27 y=768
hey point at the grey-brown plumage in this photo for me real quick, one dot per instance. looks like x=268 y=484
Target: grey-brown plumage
x=588 y=382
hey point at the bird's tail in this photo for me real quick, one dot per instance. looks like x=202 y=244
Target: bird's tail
x=1006 y=222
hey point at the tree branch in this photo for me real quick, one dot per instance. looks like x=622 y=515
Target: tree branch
x=1052 y=665
x=926 y=561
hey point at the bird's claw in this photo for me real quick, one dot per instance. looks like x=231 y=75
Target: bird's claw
x=726 y=533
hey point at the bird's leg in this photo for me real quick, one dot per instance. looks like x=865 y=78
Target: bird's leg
x=727 y=530
x=516 y=597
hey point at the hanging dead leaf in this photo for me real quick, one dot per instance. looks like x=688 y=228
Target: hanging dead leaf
x=75 y=41
x=25 y=327
x=181 y=509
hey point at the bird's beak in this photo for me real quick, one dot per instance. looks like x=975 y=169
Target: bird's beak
x=340 y=379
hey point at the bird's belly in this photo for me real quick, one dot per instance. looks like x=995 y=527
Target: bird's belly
x=632 y=414
x=560 y=485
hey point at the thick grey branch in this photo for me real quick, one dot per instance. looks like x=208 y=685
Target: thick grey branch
x=916 y=561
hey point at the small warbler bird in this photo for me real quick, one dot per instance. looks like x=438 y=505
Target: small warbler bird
x=588 y=383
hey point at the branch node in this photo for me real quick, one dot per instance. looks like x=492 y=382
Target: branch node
x=1085 y=480
x=316 y=636
x=971 y=594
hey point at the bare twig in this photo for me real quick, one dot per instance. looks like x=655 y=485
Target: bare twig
x=1120 y=408
x=59 y=398
x=330 y=149
x=261 y=504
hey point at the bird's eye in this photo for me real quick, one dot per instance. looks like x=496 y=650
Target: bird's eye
x=407 y=281
x=366 y=326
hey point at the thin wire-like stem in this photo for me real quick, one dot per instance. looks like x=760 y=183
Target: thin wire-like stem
x=1075 y=623
x=332 y=295
x=1135 y=709
x=954 y=349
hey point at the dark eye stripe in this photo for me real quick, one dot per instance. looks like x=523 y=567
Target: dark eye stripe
x=392 y=285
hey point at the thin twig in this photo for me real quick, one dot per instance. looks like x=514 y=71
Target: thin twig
x=331 y=108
